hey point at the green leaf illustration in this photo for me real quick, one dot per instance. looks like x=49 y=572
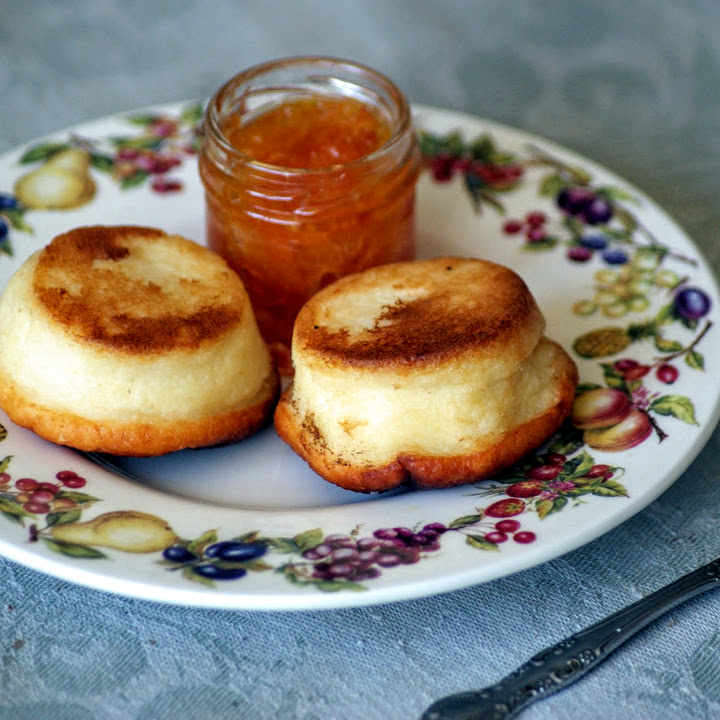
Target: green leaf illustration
x=483 y=149
x=247 y=537
x=16 y=217
x=188 y=572
x=677 y=406
x=486 y=196
x=575 y=226
x=137 y=178
x=102 y=162
x=254 y=565
x=667 y=346
x=613 y=378
x=6 y=460
x=585 y=386
x=689 y=323
x=76 y=551
x=283 y=545
x=578 y=466
x=309 y=539
x=452 y=143
x=140 y=142
x=567 y=441
x=192 y=114
x=480 y=543
x=610 y=488
x=197 y=546
x=143 y=120
x=13 y=509
x=695 y=360
x=6 y=246
x=551 y=185
x=615 y=193
x=665 y=314
x=298 y=576
x=14 y=518
x=547 y=243
x=78 y=497
x=559 y=503
x=464 y=521
x=337 y=585
x=63 y=518
x=544 y=508
x=43 y=152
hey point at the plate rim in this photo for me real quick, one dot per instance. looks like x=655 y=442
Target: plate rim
x=310 y=598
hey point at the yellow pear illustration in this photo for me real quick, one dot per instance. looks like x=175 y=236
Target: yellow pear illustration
x=61 y=183
x=127 y=530
x=71 y=159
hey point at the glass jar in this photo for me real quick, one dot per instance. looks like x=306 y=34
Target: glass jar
x=308 y=211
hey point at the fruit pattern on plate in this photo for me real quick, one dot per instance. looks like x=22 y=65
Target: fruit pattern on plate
x=625 y=411
x=592 y=220
x=61 y=177
x=51 y=513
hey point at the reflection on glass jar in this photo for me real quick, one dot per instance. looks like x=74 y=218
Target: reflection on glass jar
x=309 y=167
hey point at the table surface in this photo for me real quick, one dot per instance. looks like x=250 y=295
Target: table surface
x=631 y=85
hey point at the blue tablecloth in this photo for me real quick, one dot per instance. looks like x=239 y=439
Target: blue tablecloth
x=634 y=85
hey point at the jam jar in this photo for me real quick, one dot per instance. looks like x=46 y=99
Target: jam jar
x=309 y=166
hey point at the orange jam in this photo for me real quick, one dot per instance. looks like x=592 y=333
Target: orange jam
x=305 y=189
x=309 y=132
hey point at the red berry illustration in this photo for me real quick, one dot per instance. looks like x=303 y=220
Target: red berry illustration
x=166 y=186
x=75 y=482
x=505 y=508
x=512 y=227
x=625 y=364
x=525 y=489
x=535 y=219
x=535 y=234
x=579 y=253
x=507 y=526
x=496 y=537
x=27 y=485
x=639 y=371
x=36 y=508
x=667 y=373
x=42 y=496
x=555 y=458
x=442 y=167
x=599 y=470
x=544 y=472
x=49 y=488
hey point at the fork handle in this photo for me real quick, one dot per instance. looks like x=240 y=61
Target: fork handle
x=558 y=666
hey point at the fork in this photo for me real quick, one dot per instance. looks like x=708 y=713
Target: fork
x=558 y=666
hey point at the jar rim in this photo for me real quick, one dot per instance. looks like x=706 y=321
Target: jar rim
x=402 y=121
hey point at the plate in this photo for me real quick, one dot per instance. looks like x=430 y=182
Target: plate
x=250 y=526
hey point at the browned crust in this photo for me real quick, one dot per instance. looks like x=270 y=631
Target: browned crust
x=492 y=453
x=140 y=439
x=469 y=306
x=126 y=314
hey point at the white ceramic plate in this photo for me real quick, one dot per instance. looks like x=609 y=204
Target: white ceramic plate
x=255 y=527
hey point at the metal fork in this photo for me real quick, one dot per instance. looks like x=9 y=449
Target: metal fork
x=558 y=666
